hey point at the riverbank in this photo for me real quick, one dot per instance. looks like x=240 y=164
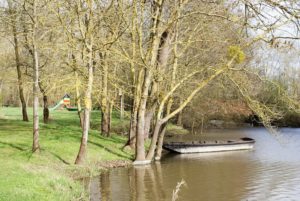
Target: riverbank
x=51 y=174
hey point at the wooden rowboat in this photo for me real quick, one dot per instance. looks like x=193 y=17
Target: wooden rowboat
x=210 y=146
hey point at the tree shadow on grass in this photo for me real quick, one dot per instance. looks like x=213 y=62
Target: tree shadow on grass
x=14 y=125
x=65 y=122
x=51 y=153
x=20 y=148
x=15 y=146
x=110 y=139
x=57 y=156
x=110 y=150
x=104 y=147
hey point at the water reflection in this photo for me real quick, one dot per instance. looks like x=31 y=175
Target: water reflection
x=270 y=172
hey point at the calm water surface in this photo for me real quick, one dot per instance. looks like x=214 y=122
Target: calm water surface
x=270 y=172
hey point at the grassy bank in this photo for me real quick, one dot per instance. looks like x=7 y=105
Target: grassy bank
x=50 y=174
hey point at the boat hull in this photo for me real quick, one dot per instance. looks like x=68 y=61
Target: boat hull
x=185 y=148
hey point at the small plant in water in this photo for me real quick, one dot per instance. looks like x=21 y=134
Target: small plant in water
x=177 y=189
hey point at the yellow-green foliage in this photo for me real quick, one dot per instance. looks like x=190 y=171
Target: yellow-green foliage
x=237 y=52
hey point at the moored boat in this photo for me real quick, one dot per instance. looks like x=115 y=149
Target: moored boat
x=210 y=146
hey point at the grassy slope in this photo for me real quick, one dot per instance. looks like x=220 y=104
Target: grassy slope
x=48 y=175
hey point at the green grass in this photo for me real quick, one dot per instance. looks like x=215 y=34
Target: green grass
x=50 y=174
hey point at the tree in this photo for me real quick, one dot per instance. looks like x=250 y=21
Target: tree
x=13 y=16
x=154 y=88
x=85 y=13
x=30 y=13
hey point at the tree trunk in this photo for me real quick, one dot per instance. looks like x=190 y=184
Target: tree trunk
x=46 y=109
x=140 y=134
x=18 y=63
x=106 y=120
x=134 y=112
x=81 y=157
x=148 y=78
x=20 y=82
x=162 y=60
x=163 y=55
x=135 y=82
x=132 y=133
x=78 y=100
x=45 y=106
x=152 y=148
x=105 y=123
x=170 y=101
x=133 y=126
x=121 y=104
x=21 y=93
x=160 y=142
x=141 y=121
x=148 y=121
x=81 y=116
x=202 y=124
x=111 y=107
x=85 y=132
x=87 y=110
x=35 y=145
x=179 y=119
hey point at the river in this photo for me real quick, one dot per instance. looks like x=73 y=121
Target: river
x=269 y=172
